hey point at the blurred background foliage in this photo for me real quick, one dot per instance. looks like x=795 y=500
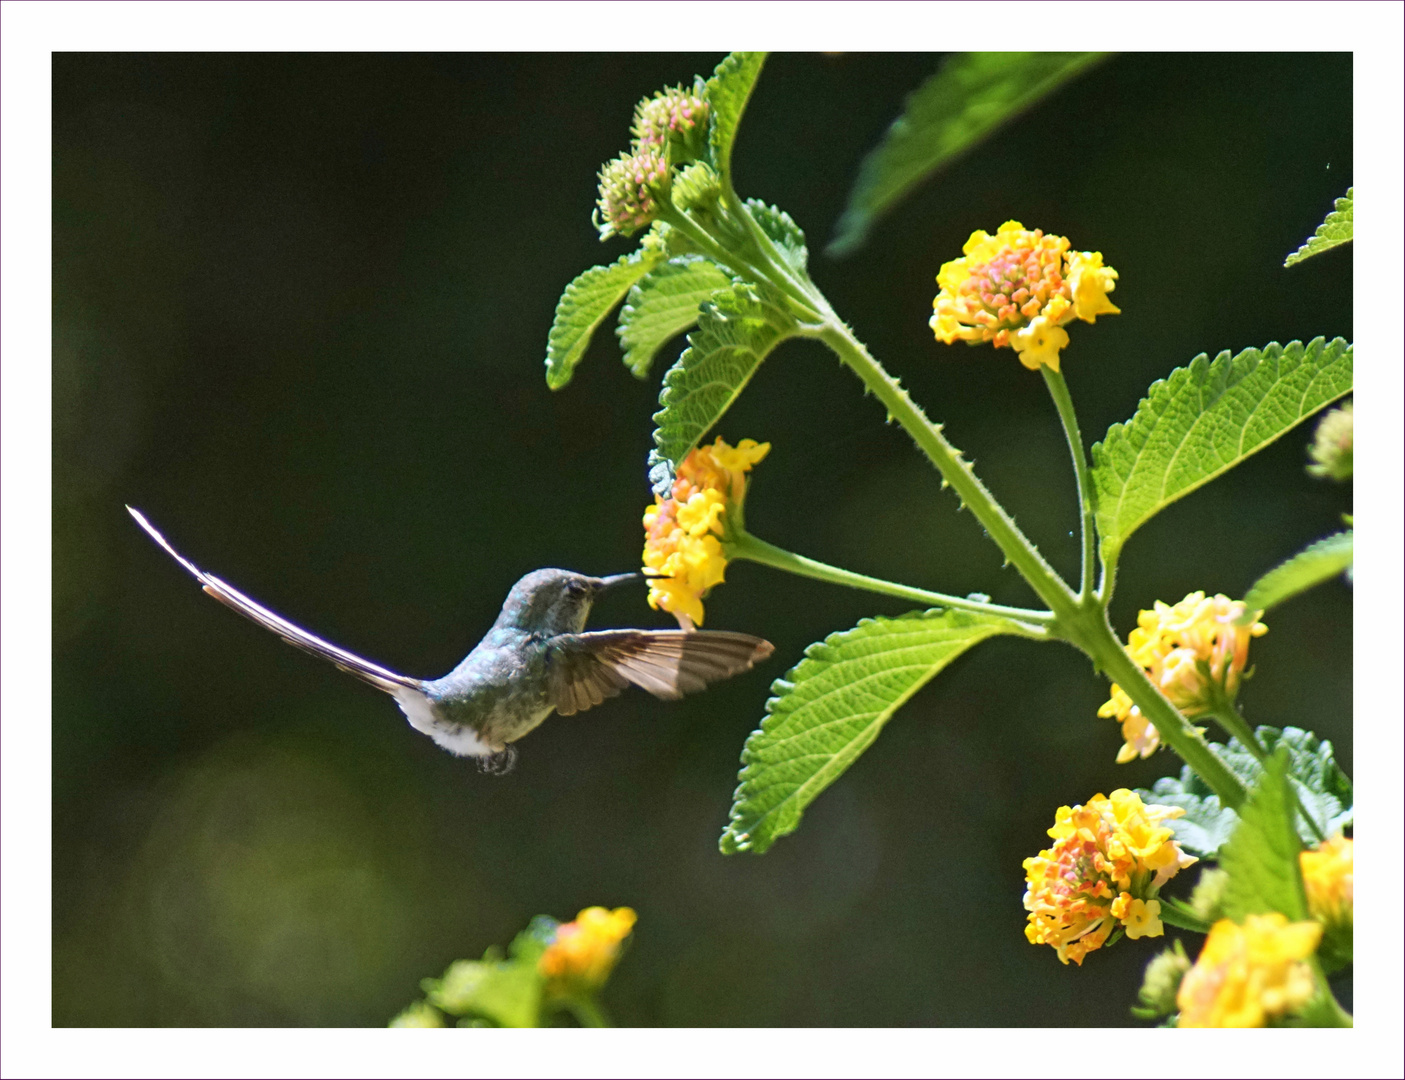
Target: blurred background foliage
x=300 y=311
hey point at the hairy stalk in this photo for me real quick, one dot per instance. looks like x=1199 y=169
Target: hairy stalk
x=748 y=547
x=1058 y=389
x=956 y=472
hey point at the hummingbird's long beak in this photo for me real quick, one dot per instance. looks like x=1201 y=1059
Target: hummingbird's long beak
x=616 y=579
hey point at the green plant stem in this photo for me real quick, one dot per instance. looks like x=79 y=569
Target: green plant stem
x=1058 y=389
x=1080 y=621
x=956 y=472
x=588 y=1012
x=748 y=547
x=1229 y=719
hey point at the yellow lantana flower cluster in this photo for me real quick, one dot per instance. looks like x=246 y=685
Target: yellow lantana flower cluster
x=1020 y=288
x=683 y=553
x=1109 y=860
x=1327 y=877
x=1193 y=651
x=584 y=952
x=1247 y=975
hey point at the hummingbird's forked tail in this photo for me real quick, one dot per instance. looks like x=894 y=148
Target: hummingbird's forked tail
x=379 y=677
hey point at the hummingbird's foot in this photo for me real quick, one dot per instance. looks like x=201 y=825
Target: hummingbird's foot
x=500 y=763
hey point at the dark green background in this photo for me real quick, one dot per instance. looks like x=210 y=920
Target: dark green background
x=300 y=309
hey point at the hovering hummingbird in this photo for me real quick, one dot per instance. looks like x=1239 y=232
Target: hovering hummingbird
x=536 y=659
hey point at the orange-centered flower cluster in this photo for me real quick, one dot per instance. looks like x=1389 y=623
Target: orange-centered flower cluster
x=583 y=953
x=1109 y=861
x=1248 y=974
x=1194 y=651
x=1020 y=288
x=683 y=553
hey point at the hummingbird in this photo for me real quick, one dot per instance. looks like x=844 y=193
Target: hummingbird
x=537 y=659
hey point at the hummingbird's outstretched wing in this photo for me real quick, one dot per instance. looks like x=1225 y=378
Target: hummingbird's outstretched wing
x=585 y=669
x=379 y=677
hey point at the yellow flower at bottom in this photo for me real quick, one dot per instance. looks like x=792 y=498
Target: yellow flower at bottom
x=1247 y=975
x=1109 y=861
x=684 y=533
x=584 y=952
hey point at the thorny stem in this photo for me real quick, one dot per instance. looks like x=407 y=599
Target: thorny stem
x=1058 y=389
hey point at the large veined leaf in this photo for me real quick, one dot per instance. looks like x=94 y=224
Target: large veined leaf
x=1336 y=229
x=831 y=706
x=1313 y=565
x=1322 y=788
x=1261 y=857
x=736 y=330
x=1205 y=419
x=968 y=99
x=584 y=305
x=663 y=305
x=728 y=91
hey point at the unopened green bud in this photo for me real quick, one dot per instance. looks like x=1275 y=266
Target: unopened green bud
x=672 y=116
x=1331 y=447
x=631 y=188
x=1162 y=981
x=696 y=187
x=1208 y=896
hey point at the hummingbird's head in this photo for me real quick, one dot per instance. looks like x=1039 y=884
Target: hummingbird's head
x=555 y=601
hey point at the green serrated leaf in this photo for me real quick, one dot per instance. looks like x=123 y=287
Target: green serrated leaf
x=969 y=98
x=664 y=304
x=728 y=91
x=584 y=305
x=1323 y=789
x=831 y=706
x=1313 y=565
x=508 y=992
x=1335 y=230
x=1261 y=858
x=736 y=330
x=1205 y=419
x=784 y=233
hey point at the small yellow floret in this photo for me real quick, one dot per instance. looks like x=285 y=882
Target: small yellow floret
x=1090 y=281
x=1247 y=975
